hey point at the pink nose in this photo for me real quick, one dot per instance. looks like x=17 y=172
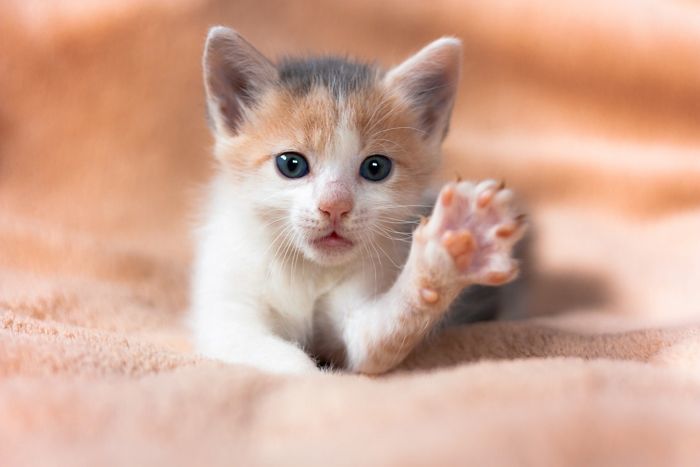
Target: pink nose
x=335 y=207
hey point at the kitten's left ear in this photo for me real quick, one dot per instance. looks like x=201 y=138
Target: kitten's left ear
x=428 y=80
x=235 y=76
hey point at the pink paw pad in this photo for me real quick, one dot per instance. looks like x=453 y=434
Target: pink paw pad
x=477 y=226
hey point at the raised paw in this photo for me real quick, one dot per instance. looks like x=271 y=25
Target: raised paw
x=470 y=235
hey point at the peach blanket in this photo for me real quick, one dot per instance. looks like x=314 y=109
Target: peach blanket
x=590 y=109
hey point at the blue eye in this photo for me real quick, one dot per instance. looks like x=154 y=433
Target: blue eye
x=292 y=165
x=375 y=168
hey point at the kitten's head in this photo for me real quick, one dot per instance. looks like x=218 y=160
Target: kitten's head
x=332 y=154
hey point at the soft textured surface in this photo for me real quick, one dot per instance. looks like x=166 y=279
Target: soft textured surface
x=590 y=109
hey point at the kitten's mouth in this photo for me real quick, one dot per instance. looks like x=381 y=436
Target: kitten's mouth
x=333 y=242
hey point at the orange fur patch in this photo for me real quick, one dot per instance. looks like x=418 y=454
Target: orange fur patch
x=284 y=121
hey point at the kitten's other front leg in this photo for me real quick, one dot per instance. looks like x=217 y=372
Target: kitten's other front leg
x=468 y=240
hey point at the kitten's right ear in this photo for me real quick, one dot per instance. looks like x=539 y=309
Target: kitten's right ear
x=428 y=80
x=235 y=75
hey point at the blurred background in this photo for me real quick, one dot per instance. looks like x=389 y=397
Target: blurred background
x=589 y=109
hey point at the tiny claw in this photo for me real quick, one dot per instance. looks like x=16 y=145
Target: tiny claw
x=521 y=219
x=458 y=178
x=447 y=196
x=429 y=295
x=501 y=185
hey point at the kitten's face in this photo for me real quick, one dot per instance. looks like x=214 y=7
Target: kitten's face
x=332 y=177
x=332 y=163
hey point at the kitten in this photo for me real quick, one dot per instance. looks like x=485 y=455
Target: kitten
x=309 y=245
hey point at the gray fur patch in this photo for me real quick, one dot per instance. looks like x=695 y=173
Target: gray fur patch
x=340 y=76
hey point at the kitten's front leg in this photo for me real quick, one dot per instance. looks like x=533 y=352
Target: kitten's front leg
x=262 y=350
x=468 y=240
x=235 y=334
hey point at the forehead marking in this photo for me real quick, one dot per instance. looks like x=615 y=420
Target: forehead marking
x=340 y=76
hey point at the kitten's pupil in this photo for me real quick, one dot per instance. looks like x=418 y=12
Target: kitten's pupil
x=374 y=167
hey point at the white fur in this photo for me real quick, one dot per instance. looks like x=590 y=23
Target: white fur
x=261 y=293
x=254 y=298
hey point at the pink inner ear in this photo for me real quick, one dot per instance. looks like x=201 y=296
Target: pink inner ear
x=429 y=81
x=235 y=74
x=336 y=200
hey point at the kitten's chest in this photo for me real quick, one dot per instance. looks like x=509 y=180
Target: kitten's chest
x=292 y=303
